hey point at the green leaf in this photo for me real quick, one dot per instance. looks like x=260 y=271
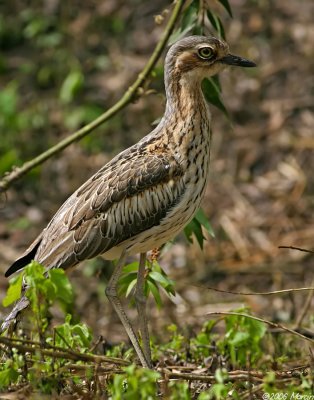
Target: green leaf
x=216 y=23
x=243 y=335
x=202 y=219
x=133 y=267
x=71 y=86
x=221 y=375
x=239 y=338
x=163 y=280
x=35 y=27
x=9 y=100
x=127 y=279
x=217 y=391
x=64 y=291
x=14 y=291
x=41 y=291
x=77 y=335
x=83 y=333
x=190 y=15
x=194 y=227
x=7 y=377
x=216 y=81
x=257 y=329
x=130 y=287
x=188 y=22
x=226 y=5
x=33 y=272
x=188 y=232
x=155 y=292
x=212 y=94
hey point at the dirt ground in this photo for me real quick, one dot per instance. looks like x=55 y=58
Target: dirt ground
x=260 y=194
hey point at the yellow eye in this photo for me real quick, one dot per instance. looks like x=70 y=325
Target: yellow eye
x=206 y=53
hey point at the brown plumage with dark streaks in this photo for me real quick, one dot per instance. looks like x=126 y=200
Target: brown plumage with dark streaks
x=145 y=195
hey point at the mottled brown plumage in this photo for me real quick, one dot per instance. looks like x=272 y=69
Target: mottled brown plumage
x=145 y=195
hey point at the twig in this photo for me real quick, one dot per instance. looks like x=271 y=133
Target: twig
x=296 y=248
x=265 y=321
x=51 y=347
x=98 y=341
x=128 y=96
x=102 y=370
x=207 y=378
x=64 y=353
x=257 y=293
x=305 y=309
x=293 y=372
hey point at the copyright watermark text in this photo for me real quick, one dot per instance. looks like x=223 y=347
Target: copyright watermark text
x=287 y=396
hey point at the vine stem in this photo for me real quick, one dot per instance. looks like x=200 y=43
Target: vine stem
x=127 y=97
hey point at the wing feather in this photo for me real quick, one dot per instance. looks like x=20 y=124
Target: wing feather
x=130 y=194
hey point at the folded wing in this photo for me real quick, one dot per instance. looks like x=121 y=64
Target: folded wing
x=129 y=195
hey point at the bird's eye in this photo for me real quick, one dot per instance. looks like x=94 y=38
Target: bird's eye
x=206 y=53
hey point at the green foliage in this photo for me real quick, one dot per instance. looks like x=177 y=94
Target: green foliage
x=21 y=223
x=63 y=287
x=84 y=114
x=41 y=292
x=155 y=279
x=212 y=91
x=42 y=30
x=241 y=343
x=242 y=340
x=76 y=336
x=44 y=289
x=189 y=22
x=8 y=123
x=14 y=291
x=195 y=227
x=201 y=344
x=226 y=5
x=291 y=390
x=135 y=383
x=8 y=104
x=219 y=390
x=8 y=374
x=179 y=390
x=13 y=124
x=216 y=23
x=72 y=84
x=177 y=341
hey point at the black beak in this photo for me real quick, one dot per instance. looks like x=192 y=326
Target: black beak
x=230 y=59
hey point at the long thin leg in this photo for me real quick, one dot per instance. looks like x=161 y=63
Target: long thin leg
x=111 y=292
x=141 y=307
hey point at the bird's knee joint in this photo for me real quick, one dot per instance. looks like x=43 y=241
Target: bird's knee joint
x=111 y=292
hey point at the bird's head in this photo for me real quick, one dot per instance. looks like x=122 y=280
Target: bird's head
x=198 y=57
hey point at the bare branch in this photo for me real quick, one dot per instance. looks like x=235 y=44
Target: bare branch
x=57 y=352
x=296 y=248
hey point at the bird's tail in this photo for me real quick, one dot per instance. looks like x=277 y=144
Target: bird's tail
x=11 y=319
